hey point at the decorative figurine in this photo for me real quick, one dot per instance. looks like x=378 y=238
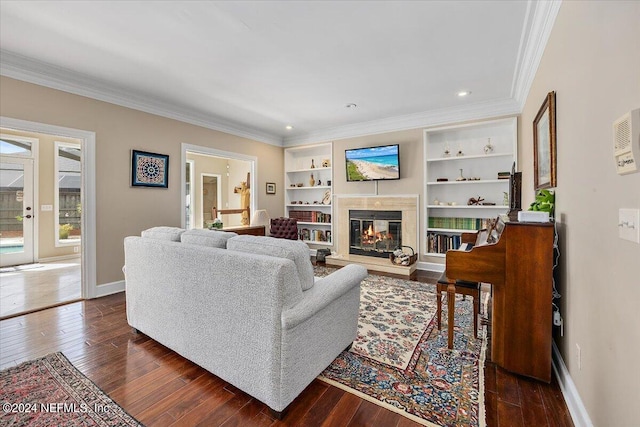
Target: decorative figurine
x=488 y=149
x=326 y=163
x=447 y=152
x=475 y=201
x=313 y=166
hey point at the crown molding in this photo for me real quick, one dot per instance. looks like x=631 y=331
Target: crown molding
x=542 y=15
x=37 y=72
x=443 y=116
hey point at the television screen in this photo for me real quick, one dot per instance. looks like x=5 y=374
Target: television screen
x=373 y=163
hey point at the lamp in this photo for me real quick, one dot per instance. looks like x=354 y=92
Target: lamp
x=261 y=217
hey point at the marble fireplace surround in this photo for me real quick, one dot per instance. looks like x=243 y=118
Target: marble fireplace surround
x=407 y=204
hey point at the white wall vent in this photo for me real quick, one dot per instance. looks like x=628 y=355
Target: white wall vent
x=626 y=142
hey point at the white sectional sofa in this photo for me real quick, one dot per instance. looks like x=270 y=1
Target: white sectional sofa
x=245 y=308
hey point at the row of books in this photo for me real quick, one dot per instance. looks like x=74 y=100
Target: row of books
x=315 y=235
x=458 y=223
x=310 y=216
x=440 y=243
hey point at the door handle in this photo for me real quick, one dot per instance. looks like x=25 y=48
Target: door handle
x=27 y=216
x=28 y=208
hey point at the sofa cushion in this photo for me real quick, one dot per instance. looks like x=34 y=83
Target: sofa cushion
x=164 y=233
x=295 y=250
x=212 y=238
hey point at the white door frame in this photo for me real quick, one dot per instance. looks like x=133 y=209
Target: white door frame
x=89 y=288
x=192 y=217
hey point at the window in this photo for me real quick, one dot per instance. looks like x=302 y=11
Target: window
x=15 y=146
x=68 y=197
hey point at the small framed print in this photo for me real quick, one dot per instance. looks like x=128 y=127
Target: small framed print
x=271 y=188
x=149 y=169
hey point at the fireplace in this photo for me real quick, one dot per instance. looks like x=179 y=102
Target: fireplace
x=374 y=233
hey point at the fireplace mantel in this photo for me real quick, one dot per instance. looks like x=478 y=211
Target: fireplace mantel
x=408 y=204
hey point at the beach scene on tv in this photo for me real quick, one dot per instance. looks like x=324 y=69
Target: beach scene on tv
x=365 y=164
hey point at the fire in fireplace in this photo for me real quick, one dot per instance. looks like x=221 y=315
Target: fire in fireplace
x=374 y=233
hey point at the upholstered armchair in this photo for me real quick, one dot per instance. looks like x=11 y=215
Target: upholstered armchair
x=284 y=228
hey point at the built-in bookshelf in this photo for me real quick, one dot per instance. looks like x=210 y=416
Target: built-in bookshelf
x=466 y=179
x=308 y=186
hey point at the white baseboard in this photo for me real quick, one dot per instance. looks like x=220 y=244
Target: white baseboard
x=59 y=258
x=430 y=266
x=577 y=410
x=109 y=288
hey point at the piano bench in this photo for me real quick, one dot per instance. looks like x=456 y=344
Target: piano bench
x=453 y=287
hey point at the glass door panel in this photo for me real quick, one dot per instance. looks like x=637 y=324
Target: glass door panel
x=16 y=211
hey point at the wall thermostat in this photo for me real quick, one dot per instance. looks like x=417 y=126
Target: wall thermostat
x=626 y=142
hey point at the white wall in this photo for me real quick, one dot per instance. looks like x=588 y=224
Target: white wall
x=592 y=61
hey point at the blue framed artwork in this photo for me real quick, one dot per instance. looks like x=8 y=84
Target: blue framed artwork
x=149 y=169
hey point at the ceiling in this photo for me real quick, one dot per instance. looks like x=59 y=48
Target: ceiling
x=250 y=68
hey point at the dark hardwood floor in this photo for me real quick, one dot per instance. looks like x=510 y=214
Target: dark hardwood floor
x=160 y=388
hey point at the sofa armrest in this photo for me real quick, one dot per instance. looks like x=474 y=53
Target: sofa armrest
x=323 y=293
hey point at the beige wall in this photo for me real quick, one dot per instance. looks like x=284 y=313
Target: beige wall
x=411 y=167
x=592 y=61
x=123 y=210
x=46 y=178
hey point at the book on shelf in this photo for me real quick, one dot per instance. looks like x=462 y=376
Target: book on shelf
x=458 y=223
x=314 y=235
x=310 y=216
x=440 y=243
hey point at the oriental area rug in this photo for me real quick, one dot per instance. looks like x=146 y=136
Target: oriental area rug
x=400 y=360
x=50 y=391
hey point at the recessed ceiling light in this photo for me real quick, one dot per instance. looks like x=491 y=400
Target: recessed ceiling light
x=288 y=127
x=351 y=105
x=464 y=93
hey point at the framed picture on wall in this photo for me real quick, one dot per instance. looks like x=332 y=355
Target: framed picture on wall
x=149 y=169
x=544 y=144
x=271 y=188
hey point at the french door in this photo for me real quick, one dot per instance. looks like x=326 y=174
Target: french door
x=16 y=211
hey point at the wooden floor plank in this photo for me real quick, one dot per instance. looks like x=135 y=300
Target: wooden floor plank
x=366 y=415
x=161 y=388
x=344 y=410
x=507 y=387
x=509 y=415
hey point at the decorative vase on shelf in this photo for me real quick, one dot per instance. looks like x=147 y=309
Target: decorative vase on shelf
x=461 y=177
x=488 y=149
x=313 y=166
x=312 y=181
x=447 y=152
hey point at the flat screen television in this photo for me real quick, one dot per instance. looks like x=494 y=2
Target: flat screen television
x=373 y=163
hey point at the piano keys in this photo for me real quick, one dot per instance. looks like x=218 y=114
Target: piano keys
x=519 y=266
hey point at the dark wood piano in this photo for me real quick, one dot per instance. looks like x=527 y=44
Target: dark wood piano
x=518 y=264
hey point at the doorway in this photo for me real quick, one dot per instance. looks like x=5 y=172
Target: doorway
x=210 y=196
x=58 y=198
x=231 y=171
